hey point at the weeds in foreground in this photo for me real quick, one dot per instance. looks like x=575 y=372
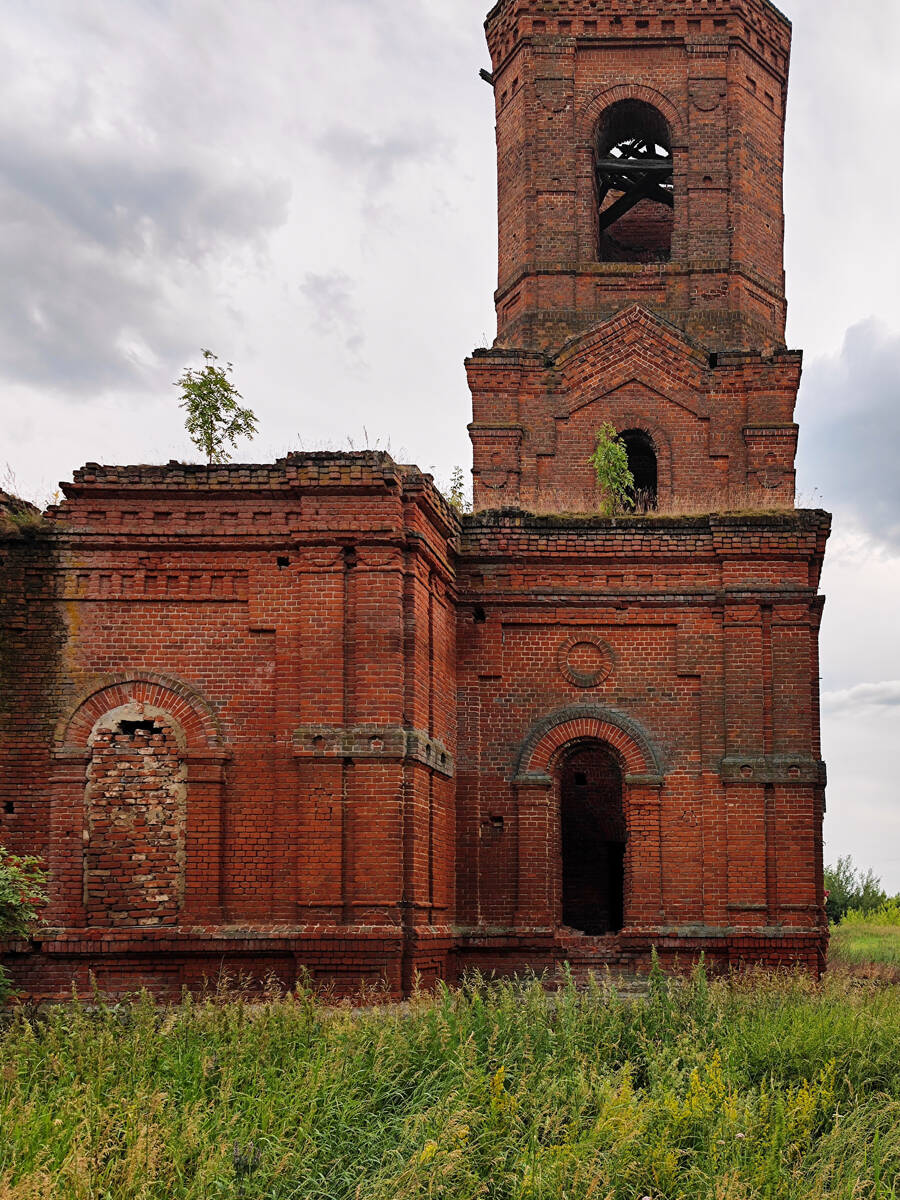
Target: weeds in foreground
x=780 y=1089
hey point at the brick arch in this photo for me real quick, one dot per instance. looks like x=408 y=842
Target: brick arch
x=631 y=419
x=589 y=117
x=188 y=708
x=548 y=738
x=662 y=443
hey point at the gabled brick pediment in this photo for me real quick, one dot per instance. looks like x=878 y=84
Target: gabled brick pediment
x=636 y=346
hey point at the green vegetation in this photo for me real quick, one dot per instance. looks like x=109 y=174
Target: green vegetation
x=22 y=895
x=610 y=463
x=870 y=938
x=848 y=887
x=21 y=520
x=777 y=1088
x=457 y=495
x=215 y=421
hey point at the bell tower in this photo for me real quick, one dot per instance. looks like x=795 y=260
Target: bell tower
x=641 y=277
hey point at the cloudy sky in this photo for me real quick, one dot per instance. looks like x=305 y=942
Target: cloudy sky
x=308 y=189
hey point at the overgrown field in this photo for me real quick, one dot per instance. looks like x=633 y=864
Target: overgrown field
x=767 y=1087
x=870 y=938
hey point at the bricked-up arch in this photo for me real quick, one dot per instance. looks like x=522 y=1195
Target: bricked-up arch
x=551 y=735
x=191 y=711
x=108 y=840
x=135 y=819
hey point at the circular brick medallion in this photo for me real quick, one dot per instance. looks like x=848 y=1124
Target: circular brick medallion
x=585 y=660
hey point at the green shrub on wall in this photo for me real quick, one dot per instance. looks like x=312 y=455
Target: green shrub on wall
x=614 y=477
x=22 y=895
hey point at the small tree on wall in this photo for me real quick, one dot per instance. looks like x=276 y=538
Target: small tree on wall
x=610 y=463
x=214 y=419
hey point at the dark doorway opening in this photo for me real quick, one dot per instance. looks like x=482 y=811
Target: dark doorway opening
x=642 y=465
x=593 y=841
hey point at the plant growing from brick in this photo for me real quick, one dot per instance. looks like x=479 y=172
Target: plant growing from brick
x=610 y=463
x=22 y=895
x=215 y=421
x=457 y=493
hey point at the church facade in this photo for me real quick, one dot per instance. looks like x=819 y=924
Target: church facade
x=307 y=718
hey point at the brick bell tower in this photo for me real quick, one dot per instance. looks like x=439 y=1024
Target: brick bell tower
x=639 y=758
x=641 y=278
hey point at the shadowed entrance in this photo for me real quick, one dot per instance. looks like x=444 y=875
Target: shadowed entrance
x=593 y=841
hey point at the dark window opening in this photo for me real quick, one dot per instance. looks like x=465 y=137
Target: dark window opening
x=9 y=806
x=479 y=615
x=130 y=728
x=283 y=561
x=593 y=842
x=635 y=188
x=643 y=466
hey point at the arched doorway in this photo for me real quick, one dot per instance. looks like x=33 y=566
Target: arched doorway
x=643 y=466
x=592 y=840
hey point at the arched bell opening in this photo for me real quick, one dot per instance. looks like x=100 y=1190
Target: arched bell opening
x=592 y=840
x=635 y=194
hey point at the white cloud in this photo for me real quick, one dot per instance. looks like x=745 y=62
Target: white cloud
x=863 y=695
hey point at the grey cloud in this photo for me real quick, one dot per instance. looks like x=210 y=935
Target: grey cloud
x=377 y=159
x=864 y=695
x=99 y=233
x=331 y=300
x=89 y=258
x=850 y=429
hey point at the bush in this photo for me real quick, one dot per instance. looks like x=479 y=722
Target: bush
x=614 y=478
x=886 y=914
x=22 y=895
x=848 y=888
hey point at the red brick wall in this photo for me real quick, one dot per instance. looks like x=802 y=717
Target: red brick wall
x=362 y=723
x=707 y=680
x=290 y=630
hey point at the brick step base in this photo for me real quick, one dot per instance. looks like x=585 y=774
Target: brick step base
x=602 y=957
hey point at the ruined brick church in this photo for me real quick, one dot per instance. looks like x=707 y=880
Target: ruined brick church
x=305 y=717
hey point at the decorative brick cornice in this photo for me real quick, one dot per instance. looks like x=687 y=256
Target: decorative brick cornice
x=392 y=742
x=796 y=770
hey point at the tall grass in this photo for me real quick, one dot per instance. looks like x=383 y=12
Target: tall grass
x=870 y=940
x=729 y=1090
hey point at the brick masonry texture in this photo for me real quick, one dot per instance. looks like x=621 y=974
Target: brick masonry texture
x=304 y=717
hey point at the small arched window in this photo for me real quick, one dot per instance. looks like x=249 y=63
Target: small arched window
x=642 y=464
x=635 y=190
